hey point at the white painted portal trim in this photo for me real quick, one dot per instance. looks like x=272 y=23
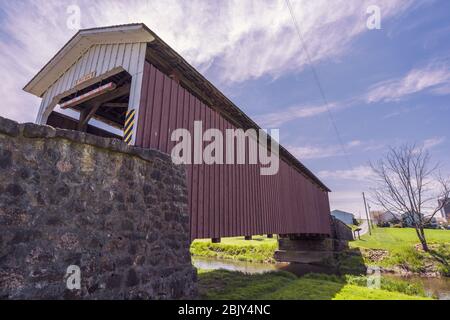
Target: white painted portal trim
x=78 y=45
x=136 y=88
x=105 y=60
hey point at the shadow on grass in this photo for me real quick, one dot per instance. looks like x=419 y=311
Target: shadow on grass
x=442 y=258
x=350 y=261
x=227 y=285
x=295 y=281
x=345 y=262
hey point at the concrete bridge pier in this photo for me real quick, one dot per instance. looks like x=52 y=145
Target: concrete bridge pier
x=308 y=250
x=313 y=249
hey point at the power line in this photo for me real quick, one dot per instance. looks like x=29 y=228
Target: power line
x=319 y=85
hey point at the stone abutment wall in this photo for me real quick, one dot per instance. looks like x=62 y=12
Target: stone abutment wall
x=119 y=213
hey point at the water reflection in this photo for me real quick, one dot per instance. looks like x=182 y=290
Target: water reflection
x=235 y=265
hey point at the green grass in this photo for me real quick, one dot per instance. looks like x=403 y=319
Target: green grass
x=400 y=244
x=259 y=249
x=221 y=284
x=409 y=287
x=398 y=238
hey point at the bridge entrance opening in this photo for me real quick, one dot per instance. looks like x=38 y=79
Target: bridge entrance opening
x=98 y=109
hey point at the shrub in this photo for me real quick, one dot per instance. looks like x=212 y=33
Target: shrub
x=393 y=285
x=389 y=284
x=383 y=224
x=408 y=258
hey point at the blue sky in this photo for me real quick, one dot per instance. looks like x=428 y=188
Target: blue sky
x=384 y=87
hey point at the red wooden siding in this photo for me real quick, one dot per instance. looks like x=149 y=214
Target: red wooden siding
x=227 y=200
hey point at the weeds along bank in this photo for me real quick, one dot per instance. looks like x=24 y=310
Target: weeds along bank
x=259 y=249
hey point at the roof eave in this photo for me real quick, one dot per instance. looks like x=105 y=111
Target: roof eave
x=80 y=42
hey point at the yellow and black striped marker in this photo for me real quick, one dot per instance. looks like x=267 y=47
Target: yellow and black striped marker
x=129 y=124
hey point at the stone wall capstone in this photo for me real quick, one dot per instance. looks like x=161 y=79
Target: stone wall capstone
x=119 y=213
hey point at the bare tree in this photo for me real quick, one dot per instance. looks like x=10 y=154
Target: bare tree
x=408 y=184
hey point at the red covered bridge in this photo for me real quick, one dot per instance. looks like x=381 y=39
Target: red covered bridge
x=125 y=82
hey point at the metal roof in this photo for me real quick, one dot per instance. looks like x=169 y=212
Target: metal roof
x=342 y=212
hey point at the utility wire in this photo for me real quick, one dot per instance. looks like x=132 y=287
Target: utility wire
x=319 y=85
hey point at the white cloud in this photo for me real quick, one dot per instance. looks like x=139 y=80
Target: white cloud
x=236 y=40
x=435 y=76
x=442 y=90
x=266 y=41
x=354 y=143
x=433 y=142
x=313 y=152
x=359 y=173
x=430 y=143
x=318 y=152
x=276 y=119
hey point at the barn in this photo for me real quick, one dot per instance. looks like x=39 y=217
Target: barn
x=125 y=82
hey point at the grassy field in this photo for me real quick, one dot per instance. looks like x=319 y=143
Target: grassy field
x=398 y=238
x=399 y=247
x=221 y=284
x=259 y=249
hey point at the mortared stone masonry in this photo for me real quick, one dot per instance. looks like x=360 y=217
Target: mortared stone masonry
x=119 y=213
